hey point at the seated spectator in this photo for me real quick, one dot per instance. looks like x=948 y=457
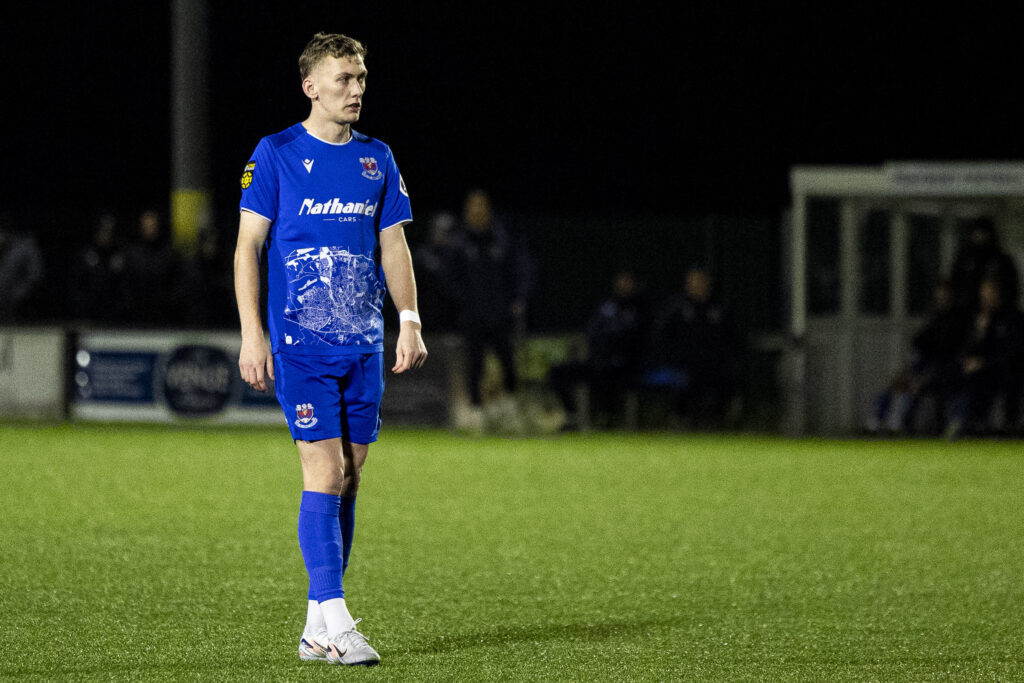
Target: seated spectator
x=982 y=258
x=698 y=354
x=21 y=270
x=616 y=335
x=97 y=275
x=990 y=364
x=934 y=370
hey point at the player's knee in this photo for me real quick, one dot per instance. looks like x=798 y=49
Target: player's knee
x=324 y=479
x=333 y=483
x=352 y=479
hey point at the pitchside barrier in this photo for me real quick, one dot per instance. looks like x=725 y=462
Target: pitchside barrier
x=32 y=373
x=191 y=377
x=173 y=377
x=164 y=377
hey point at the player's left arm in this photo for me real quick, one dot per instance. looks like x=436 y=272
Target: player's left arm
x=397 y=263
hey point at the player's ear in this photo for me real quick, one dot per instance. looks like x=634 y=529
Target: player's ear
x=309 y=88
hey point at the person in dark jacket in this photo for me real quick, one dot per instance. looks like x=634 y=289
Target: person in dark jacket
x=982 y=258
x=97 y=275
x=207 y=284
x=433 y=261
x=21 y=271
x=990 y=363
x=153 y=277
x=490 y=277
x=698 y=352
x=616 y=338
x=934 y=371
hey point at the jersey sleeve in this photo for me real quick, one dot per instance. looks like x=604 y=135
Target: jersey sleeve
x=395 y=206
x=260 y=182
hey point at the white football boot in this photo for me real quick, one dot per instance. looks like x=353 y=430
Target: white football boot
x=313 y=648
x=349 y=648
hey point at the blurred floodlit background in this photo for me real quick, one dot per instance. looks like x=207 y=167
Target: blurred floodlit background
x=824 y=168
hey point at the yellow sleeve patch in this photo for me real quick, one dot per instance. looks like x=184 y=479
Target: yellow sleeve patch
x=246 y=179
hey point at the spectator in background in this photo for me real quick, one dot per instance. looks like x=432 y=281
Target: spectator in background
x=982 y=258
x=208 y=285
x=97 y=275
x=489 y=275
x=151 y=275
x=21 y=270
x=698 y=354
x=934 y=370
x=433 y=260
x=990 y=364
x=616 y=338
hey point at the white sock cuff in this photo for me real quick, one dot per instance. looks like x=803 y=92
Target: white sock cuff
x=314 y=619
x=336 y=616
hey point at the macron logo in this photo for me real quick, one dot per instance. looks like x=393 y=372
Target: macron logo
x=312 y=207
x=308 y=163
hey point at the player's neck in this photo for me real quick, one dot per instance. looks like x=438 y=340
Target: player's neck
x=327 y=130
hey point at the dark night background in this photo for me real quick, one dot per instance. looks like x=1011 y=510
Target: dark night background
x=620 y=116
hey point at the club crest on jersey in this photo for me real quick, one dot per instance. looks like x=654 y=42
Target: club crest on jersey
x=304 y=418
x=370 y=169
x=247 y=175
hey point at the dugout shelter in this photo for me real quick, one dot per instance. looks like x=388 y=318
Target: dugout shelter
x=866 y=247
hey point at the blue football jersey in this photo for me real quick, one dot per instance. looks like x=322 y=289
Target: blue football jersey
x=326 y=203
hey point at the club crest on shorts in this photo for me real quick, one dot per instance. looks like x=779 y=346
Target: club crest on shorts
x=304 y=418
x=370 y=169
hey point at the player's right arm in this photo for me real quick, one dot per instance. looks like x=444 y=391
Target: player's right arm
x=255 y=362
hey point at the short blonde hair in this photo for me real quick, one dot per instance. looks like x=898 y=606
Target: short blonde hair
x=328 y=45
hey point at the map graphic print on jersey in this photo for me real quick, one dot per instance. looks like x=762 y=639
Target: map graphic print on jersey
x=327 y=204
x=334 y=294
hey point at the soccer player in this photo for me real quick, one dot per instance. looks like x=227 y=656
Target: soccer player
x=329 y=206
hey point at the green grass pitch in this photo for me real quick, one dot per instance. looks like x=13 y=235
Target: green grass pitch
x=149 y=553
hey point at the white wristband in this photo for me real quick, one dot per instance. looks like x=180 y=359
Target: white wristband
x=409 y=315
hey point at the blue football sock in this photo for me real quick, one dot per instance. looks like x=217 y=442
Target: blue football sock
x=320 y=541
x=347 y=521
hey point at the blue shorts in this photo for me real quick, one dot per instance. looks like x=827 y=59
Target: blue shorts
x=324 y=397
